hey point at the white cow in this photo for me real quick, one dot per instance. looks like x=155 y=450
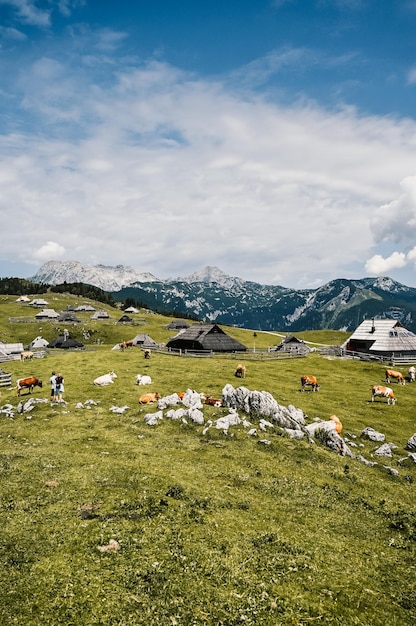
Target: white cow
x=143 y=380
x=412 y=373
x=105 y=379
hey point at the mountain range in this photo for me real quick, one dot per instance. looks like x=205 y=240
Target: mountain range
x=211 y=295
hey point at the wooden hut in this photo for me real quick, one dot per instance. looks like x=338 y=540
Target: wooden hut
x=205 y=337
x=382 y=337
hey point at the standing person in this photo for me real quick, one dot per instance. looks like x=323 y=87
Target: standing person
x=59 y=387
x=52 y=381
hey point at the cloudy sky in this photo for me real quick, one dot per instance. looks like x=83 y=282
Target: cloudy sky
x=274 y=139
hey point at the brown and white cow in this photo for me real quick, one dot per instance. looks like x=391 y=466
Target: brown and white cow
x=383 y=392
x=148 y=398
x=212 y=401
x=395 y=374
x=28 y=383
x=309 y=381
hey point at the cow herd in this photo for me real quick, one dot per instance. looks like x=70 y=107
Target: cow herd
x=307 y=381
x=377 y=391
x=387 y=392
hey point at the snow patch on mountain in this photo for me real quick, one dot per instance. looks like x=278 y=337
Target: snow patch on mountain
x=102 y=276
x=210 y=274
x=388 y=284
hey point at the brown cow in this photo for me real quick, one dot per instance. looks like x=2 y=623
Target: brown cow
x=309 y=381
x=28 y=383
x=240 y=371
x=395 y=374
x=148 y=398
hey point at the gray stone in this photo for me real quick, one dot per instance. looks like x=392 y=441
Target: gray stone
x=372 y=434
x=411 y=444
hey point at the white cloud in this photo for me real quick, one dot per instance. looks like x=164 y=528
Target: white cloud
x=379 y=266
x=396 y=221
x=411 y=76
x=11 y=33
x=66 y=6
x=49 y=250
x=164 y=171
x=411 y=255
x=28 y=12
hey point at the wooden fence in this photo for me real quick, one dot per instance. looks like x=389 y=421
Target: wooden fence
x=399 y=359
x=250 y=355
x=5 y=379
x=23 y=318
x=38 y=354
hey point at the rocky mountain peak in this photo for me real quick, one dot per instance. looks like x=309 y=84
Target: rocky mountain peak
x=102 y=276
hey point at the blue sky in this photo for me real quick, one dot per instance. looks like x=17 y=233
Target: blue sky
x=274 y=139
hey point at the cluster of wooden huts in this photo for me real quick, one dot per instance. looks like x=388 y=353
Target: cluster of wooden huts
x=376 y=337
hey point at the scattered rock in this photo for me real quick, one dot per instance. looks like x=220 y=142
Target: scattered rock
x=411 y=444
x=391 y=470
x=372 y=434
x=385 y=449
x=360 y=457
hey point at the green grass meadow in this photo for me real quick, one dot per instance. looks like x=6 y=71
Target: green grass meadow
x=212 y=529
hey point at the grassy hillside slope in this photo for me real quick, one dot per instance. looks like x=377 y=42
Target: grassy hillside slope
x=214 y=528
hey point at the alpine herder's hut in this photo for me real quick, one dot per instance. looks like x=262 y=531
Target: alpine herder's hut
x=144 y=341
x=47 y=314
x=177 y=325
x=293 y=345
x=205 y=337
x=382 y=337
x=68 y=317
x=100 y=315
x=125 y=319
x=65 y=342
x=38 y=343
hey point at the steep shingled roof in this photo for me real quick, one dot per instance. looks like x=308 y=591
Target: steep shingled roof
x=205 y=337
x=384 y=336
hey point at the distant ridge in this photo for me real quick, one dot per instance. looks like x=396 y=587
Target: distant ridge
x=105 y=277
x=211 y=295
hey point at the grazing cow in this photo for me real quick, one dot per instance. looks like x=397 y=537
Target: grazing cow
x=148 y=398
x=28 y=383
x=412 y=374
x=27 y=354
x=105 y=379
x=394 y=374
x=147 y=354
x=240 y=371
x=143 y=380
x=383 y=392
x=309 y=381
